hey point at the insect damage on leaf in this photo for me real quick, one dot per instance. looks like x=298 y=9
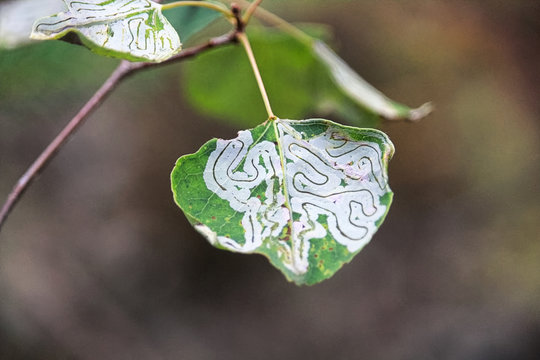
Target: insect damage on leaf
x=135 y=30
x=307 y=194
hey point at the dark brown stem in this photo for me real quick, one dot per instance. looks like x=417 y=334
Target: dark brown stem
x=123 y=70
x=237 y=13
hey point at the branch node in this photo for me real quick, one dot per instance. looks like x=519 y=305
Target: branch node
x=237 y=12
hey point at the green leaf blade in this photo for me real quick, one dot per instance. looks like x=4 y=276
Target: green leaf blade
x=287 y=68
x=134 y=30
x=308 y=195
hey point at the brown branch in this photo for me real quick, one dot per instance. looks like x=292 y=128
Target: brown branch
x=123 y=70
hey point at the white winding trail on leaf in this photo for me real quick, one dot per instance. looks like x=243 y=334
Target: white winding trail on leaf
x=330 y=179
x=222 y=177
x=134 y=27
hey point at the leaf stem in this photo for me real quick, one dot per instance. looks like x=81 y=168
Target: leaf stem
x=205 y=4
x=242 y=37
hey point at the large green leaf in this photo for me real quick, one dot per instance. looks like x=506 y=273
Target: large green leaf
x=306 y=194
x=135 y=30
x=303 y=78
x=220 y=83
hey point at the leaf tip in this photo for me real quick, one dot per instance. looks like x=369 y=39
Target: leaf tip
x=421 y=112
x=36 y=35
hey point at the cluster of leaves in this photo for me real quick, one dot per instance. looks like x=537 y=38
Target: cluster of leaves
x=303 y=75
x=307 y=194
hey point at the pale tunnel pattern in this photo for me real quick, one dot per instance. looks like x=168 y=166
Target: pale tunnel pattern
x=136 y=27
x=332 y=185
x=233 y=170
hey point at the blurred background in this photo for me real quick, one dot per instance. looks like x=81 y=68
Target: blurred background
x=97 y=262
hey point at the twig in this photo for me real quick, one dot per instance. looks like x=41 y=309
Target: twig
x=190 y=52
x=123 y=70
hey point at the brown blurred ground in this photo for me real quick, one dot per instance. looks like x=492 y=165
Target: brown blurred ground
x=98 y=263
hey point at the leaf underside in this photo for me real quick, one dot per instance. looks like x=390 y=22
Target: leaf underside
x=306 y=194
x=363 y=93
x=134 y=30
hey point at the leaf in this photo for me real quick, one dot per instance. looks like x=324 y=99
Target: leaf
x=303 y=78
x=216 y=80
x=306 y=194
x=17 y=17
x=135 y=30
x=360 y=91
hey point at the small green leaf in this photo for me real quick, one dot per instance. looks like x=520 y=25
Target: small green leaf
x=135 y=30
x=306 y=194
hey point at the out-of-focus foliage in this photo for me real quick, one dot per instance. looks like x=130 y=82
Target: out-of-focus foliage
x=188 y=21
x=221 y=83
x=352 y=86
x=54 y=57
x=302 y=78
